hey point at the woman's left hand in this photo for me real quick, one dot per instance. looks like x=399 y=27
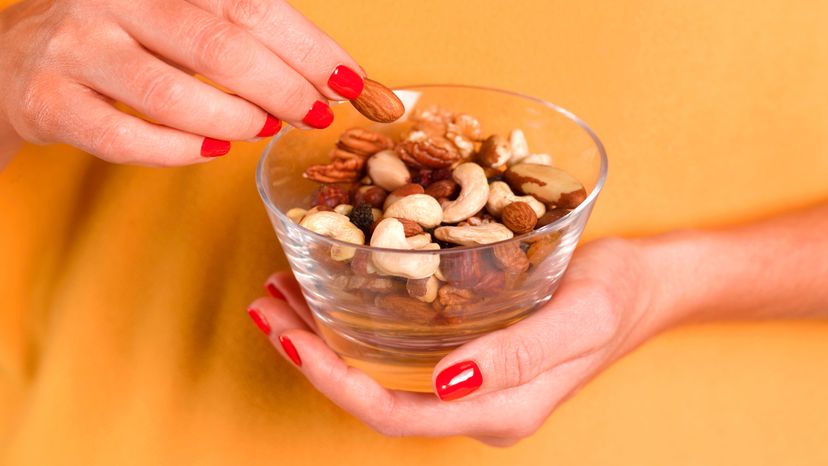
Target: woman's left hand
x=501 y=387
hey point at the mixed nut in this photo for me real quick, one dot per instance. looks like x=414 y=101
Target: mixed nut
x=444 y=184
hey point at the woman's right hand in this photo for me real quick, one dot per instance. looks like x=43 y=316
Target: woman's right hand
x=63 y=63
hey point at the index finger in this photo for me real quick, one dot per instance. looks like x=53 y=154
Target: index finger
x=297 y=41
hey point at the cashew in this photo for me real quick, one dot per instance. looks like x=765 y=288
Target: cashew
x=474 y=236
x=424 y=289
x=420 y=208
x=296 y=214
x=387 y=170
x=377 y=214
x=389 y=233
x=539 y=159
x=337 y=226
x=343 y=209
x=419 y=241
x=501 y=195
x=520 y=148
x=474 y=192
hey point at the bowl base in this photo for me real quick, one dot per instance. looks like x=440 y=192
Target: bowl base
x=396 y=377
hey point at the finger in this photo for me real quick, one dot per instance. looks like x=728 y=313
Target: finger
x=230 y=56
x=273 y=316
x=283 y=285
x=579 y=319
x=301 y=44
x=174 y=98
x=86 y=120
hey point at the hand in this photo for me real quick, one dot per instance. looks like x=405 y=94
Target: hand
x=63 y=63
x=521 y=373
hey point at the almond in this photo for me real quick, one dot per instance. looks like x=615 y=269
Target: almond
x=442 y=189
x=378 y=103
x=519 y=217
x=401 y=192
x=410 y=227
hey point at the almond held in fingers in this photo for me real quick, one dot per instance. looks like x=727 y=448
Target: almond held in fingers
x=378 y=103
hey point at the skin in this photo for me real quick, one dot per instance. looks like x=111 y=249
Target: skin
x=616 y=294
x=65 y=62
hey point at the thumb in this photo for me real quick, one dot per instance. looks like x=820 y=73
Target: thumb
x=579 y=319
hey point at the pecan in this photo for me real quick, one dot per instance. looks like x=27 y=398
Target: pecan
x=542 y=247
x=453 y=302
x=519 y=217
x=411 y=310
x=510 y=257
x=329 y=195
x=410 y=227
x=428 y=153
x=360 y=141
x=344 y=166
x=491 y=283
x=443 y=189
x=371 y=195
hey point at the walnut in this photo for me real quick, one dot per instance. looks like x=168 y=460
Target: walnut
x=465 y=125
x=510 y=257
x=428 y=153
x=360 y=141
x=330 y=196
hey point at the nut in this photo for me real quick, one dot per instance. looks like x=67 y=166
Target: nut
x=296 y=214
x=541 y=248
x=494 y=152
x=474 y=235
x=551 y=216
x=378 y=103
x=463 y=124
x=420 y=208
x=361 y=263
x=519 y=217
x=509 y=257
x=540 y=159
x=474 y=192
x=411 y=227
x=454 y=301
x=477 y=220
x=424 y=289
x=387 y=170
x=431 y=152
x=329 y=195
x=372 y=195
x=501 y=195
x=419 y=241
x=443 y=189
x=390 y=234
x=363 y=142
x=343 y=209
x=401 y=192
x=411 y=310
x=549 y=185
x=520 y=148
x=337 y=226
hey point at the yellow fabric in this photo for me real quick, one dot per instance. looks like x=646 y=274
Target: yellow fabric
x=123 y=336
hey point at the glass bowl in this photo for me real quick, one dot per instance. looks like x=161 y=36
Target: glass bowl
x=373 y=323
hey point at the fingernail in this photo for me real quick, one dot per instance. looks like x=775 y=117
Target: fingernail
x=273 y=291
x=346 y=82
x=458 y=380
x=272 y=126
x=259 y=320
x=320 y=116
x=214 y=147
x=287 y=345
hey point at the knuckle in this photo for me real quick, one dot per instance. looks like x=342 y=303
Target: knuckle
x=37 y=108
x=248 y=13
x=521 y=360
x=296 y=98
x=162 y=93
x=221 y=46
x=110 y=140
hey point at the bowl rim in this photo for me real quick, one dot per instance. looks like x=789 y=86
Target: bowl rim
x=587 y=203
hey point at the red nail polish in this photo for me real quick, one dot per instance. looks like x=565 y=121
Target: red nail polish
x=287 y=345
x=458 y=380
x=320 y=116
x=345 y=82
x=214 y=147
x=259 y=320
x=272 y=126
x=273 y=291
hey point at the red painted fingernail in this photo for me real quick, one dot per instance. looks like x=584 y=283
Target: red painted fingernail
x=287 y=345
x=214 y=147
x=259 y=320
x=458 y=380
x=272 y=126
x=345 y=82
x=320 y=116
x=273 y=291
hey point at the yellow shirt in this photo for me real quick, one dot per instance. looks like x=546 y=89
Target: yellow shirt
x=123 y=336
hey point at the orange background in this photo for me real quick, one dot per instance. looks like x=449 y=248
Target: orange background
x=123 y=337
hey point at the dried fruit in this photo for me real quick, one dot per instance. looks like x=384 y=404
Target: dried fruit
x=363 y=142
x=330 y=196
x=519 y=217
x=363 y=217
x=378 y=103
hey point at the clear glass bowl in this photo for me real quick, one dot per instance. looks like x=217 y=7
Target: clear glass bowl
x=376 y=326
